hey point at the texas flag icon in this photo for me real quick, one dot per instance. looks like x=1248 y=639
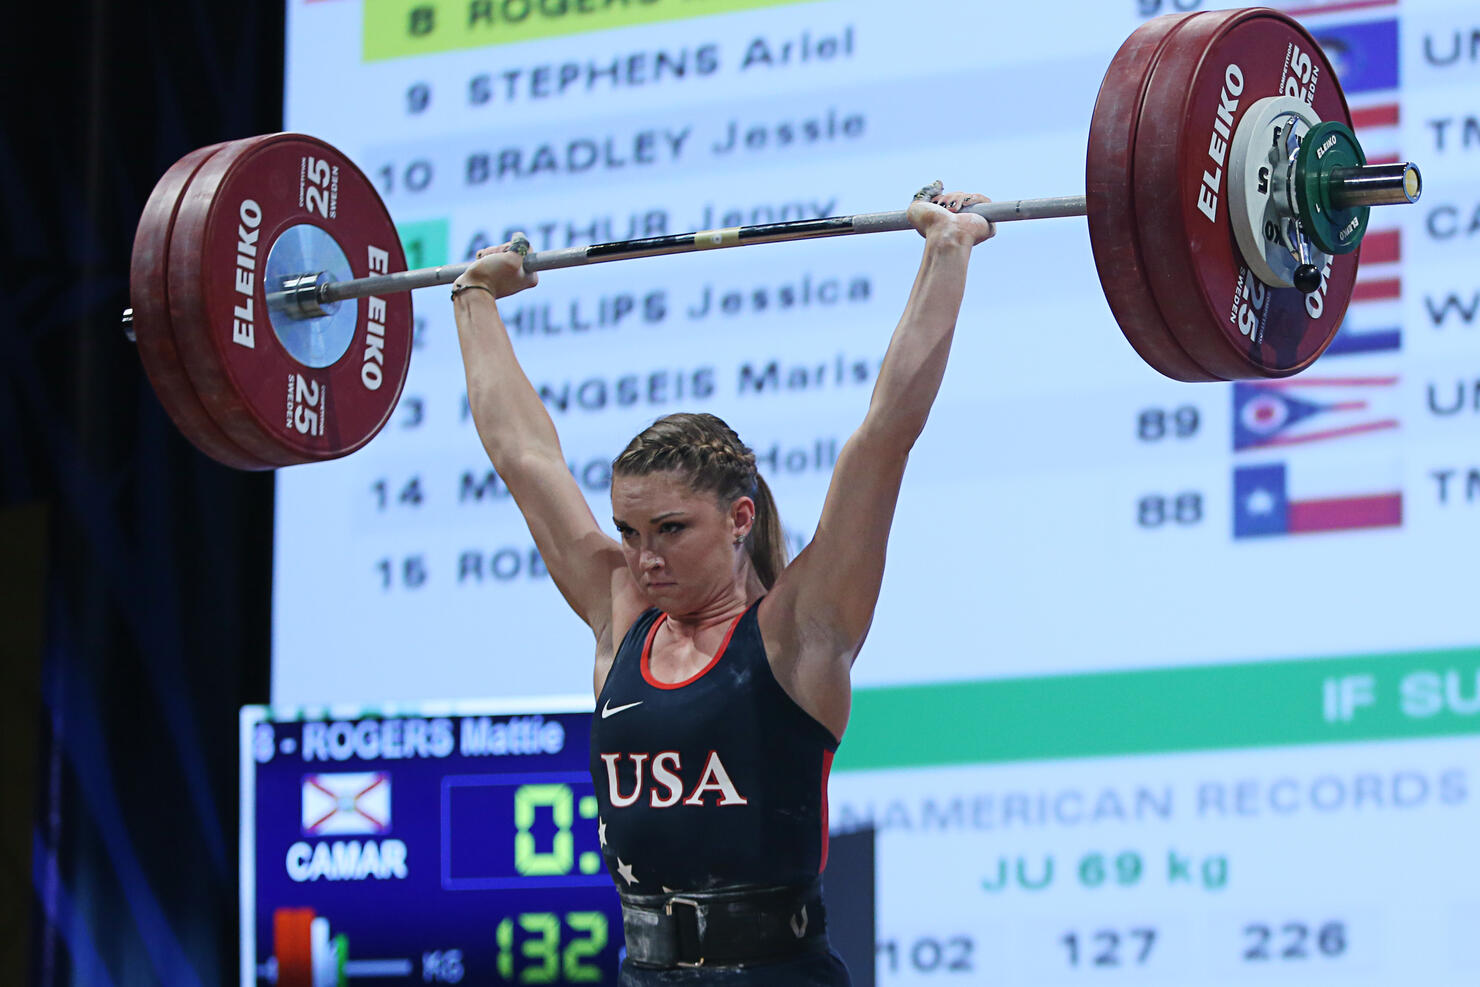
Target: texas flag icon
x=1268 y=501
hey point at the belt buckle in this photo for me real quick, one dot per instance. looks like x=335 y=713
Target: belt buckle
x=678 y=937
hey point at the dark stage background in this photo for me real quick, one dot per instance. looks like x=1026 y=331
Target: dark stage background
x=134 y=603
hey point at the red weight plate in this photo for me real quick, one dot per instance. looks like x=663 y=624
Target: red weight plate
x=1227 y=319
x=1110 y=206
x=292 y=946
x=287 y=390
x=149 y=294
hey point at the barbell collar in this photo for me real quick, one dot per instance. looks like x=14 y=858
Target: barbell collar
x=328 y=292
x=1376 y=185
x=300 y=297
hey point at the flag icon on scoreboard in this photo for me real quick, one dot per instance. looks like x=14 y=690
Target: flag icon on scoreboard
x=1308 y=409
x=1363 y=53
x=1267 y=501
x=347 y=802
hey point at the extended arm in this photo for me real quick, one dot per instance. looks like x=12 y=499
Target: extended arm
x=520 y=438
x=833 y=585
x=915 y=362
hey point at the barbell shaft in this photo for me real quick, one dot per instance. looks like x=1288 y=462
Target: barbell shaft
x=679 y=243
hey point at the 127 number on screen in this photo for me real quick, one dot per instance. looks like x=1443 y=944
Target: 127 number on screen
x=1103 y=947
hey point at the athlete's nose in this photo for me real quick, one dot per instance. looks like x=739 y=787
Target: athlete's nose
x=650 y=559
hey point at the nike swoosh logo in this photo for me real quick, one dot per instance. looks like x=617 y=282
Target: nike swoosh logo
x=608 y=710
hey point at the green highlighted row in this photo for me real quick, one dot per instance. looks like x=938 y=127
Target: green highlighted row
x=425 y=243
x=396 y=28
x=1404 y=695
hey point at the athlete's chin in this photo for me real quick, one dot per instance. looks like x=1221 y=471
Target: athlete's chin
x=661 y=594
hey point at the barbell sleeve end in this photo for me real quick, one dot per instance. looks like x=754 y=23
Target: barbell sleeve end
x=1376 y=185
x=128 y=325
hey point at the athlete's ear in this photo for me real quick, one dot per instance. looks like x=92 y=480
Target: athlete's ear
x=742 y=516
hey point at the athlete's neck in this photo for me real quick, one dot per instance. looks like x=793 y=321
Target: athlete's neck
x=691 y=626
x=722 y=609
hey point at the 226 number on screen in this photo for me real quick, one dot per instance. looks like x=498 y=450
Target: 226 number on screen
x=1265 y=941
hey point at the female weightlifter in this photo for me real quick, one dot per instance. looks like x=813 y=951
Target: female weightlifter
x=722 y=672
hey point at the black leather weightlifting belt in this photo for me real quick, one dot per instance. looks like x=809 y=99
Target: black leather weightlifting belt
x=725 y=927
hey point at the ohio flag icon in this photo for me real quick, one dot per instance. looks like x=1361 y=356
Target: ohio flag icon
x=347 y=802
x=1305 y=410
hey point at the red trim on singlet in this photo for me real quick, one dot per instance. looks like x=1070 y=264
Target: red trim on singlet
x=827 y=758
x=647 y=647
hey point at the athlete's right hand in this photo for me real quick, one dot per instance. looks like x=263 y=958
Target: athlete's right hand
x=501 y=270
x=941 y=215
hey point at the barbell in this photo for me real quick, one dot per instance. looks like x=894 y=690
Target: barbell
x=1225 y=192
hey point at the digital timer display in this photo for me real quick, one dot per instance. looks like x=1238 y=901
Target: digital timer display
x=550 y=823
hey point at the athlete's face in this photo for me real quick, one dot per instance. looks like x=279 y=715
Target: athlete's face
x=680 y=544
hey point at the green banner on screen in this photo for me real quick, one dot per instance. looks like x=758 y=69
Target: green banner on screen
x=1398 y=696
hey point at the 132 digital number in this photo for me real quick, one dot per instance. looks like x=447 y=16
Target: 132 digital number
x=549 y=963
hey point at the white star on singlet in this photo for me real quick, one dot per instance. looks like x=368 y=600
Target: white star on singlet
x=601 y=830
x=626 y=871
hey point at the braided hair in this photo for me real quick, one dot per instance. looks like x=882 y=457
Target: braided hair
x=711 y=455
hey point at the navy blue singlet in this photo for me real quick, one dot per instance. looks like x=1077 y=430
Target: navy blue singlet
x=717 y=781
x=714 y=782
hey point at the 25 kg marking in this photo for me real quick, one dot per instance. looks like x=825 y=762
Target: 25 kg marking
x=319 y=186
x=305 y=405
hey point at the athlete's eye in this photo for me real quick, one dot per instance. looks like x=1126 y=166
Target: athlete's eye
x=670 y=528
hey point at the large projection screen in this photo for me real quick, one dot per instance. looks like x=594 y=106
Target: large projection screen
x=1118 y=713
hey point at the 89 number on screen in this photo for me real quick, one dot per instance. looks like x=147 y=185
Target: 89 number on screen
x=1157 y=424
